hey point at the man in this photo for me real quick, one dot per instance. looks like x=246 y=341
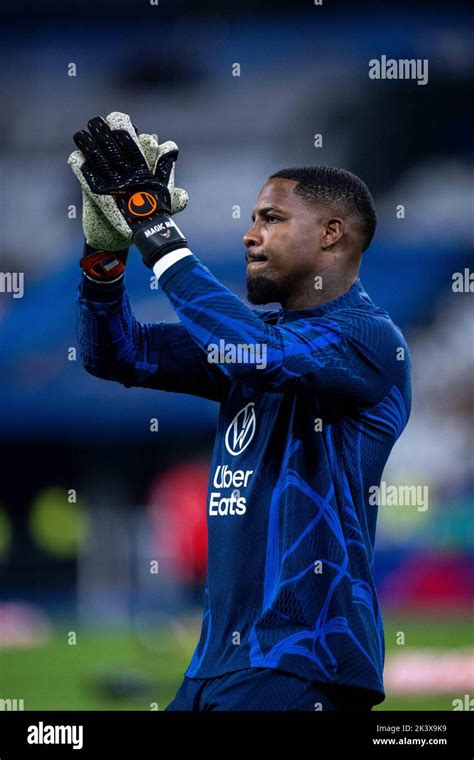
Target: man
x=312 y=398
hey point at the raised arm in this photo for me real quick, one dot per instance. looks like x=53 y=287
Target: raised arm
x=114 y=345
x=348 y=353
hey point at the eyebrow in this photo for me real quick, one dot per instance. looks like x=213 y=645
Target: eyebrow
x=265 y=210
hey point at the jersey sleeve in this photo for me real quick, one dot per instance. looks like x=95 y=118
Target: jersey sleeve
x=349 y=354
x=114 y=345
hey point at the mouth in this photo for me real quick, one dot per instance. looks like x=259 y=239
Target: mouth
x=255 y=260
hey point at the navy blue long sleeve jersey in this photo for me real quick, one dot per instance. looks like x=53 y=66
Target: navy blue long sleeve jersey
x=302 y=436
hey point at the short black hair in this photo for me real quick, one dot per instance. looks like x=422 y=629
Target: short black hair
x=335 y=187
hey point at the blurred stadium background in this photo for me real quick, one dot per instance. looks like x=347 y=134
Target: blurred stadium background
x=89 y=497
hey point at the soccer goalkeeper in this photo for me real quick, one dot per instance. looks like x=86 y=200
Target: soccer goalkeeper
x=312 y=398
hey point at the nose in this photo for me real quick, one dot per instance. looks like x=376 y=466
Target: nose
x=251 y=237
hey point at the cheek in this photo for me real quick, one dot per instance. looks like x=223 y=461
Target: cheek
x=283 y=243
x=293 y=236
x=292 y=251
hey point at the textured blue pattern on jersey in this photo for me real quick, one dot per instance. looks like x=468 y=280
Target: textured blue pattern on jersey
x=291 y=530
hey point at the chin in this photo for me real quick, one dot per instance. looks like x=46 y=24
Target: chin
x=261 y=290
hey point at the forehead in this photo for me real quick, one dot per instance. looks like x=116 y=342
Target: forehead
x=278 y=192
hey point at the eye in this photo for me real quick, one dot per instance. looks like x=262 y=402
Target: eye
x=270 y=218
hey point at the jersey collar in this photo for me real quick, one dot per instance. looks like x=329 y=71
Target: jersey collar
x=354 y=296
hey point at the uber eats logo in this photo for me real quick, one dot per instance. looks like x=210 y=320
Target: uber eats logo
x=227 y=499
x=241 y=430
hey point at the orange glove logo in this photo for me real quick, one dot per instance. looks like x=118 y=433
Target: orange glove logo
x=142 y=204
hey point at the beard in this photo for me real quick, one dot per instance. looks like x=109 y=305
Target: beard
x=261 y=290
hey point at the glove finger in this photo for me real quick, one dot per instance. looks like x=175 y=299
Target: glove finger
x=165 y=165
x=121 y=122
x=179 y=200
x=149 y=147
x=75 y=161
x=148 y=141
x=90 y=151
x=95 y=169
x=168 y=148
x=129 y=148
x=118 y=120
x=107 y=142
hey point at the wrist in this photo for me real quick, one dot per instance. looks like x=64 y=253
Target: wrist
x=158 y=237
x=103 y=267
x=97 y=291
x=168 y=261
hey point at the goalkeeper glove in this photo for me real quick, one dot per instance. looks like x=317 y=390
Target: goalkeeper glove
x=115 y=166
x=107 y=237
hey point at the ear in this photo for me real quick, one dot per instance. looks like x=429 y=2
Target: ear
x=333 y=229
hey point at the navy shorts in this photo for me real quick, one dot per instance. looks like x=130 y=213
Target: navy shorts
x=267 y=689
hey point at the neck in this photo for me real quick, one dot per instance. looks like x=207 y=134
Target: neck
x=331 y=288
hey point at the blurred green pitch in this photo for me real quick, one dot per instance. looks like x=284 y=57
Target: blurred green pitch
x=58 y=676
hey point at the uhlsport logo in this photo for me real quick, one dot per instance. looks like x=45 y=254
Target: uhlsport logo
x=241 y=430
x=142 y=204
